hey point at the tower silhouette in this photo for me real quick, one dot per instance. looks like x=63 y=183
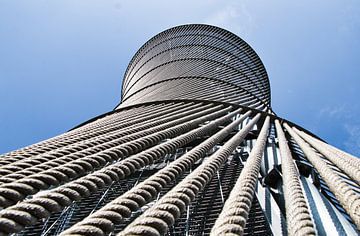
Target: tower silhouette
x=193 y=148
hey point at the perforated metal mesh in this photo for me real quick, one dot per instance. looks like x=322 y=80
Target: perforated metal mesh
x=196 y=62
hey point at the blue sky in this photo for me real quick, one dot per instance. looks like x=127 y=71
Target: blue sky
x=62 y=61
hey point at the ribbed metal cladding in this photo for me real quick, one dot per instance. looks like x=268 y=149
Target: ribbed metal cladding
x=196 y=62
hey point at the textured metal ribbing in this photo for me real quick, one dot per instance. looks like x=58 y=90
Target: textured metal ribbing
x=157 y=219
x=50 y=160
x=298 y=216
x=65 y=194
x=93 y=130
x=149 y=189
x=180 y=87
x=28 y=166
x=351 y=159
x=233 y=217
x=346 y=162
x=75 y=165
x=347 y=197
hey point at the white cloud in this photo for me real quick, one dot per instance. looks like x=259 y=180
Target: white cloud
x=344 y=111
x=233 y=16
x=350 y=19
x=352 y=144
x=343 y=117
x=333 y=111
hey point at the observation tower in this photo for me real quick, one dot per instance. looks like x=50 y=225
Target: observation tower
x=193 y=148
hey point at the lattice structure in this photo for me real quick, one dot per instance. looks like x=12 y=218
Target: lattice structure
x=193 y=148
